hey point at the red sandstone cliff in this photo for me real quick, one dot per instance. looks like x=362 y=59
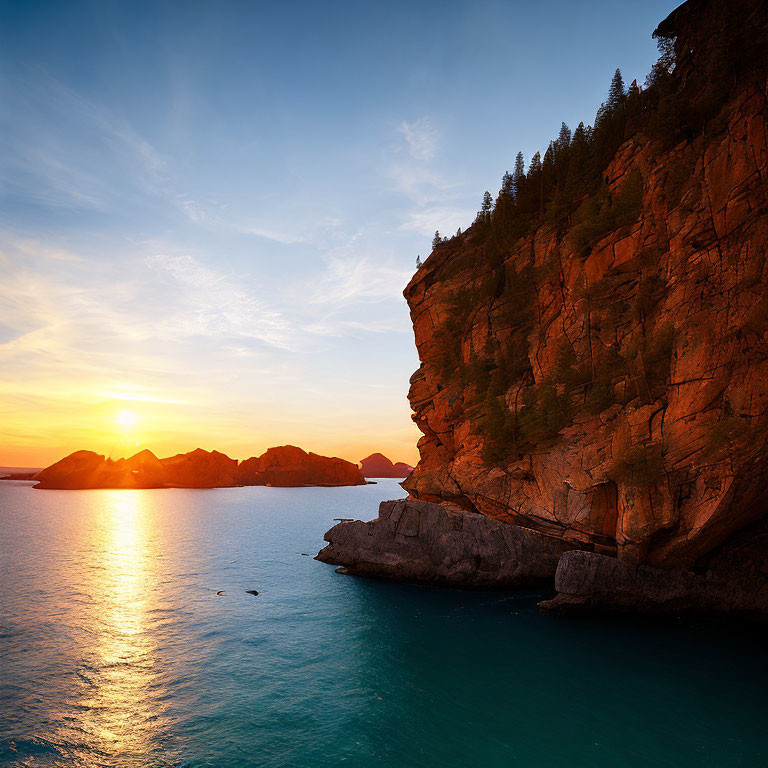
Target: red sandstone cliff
x=608 y=384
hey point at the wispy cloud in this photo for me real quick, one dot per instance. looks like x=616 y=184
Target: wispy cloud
x=217 y=306
x=354 y=279
x=433 y=201
x=268 y=233
x=421 y=137
x=359 y=291
x=340 y=328
x=446 y=218
x=64 y=151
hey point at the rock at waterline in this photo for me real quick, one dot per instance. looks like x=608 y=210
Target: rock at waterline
x=251 y=592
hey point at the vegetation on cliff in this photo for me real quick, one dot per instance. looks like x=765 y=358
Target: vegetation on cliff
x=568 y=193
x=592 y=346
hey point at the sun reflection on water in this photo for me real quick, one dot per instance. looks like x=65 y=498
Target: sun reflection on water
x=120 y=702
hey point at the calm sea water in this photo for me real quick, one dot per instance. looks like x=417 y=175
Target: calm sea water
x=127 y=638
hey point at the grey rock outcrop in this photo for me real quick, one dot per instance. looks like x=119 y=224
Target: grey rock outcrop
x=592 y=583
x=441 y=544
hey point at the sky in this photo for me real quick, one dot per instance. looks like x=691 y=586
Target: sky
x=209 y=210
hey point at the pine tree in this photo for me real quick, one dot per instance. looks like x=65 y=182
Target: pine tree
x=436 y=240
x=535 y=167
x=507 y=187
x=549 y=157
x=602 y=111
x=578 y=152
x=633 y=104
x=487 y=206
x=519 y=174
x=418 y=262
x=534 y=180
x=665 y=65
x=616 y=94
x=564 y=139
x=458 y=232
x=547 y=177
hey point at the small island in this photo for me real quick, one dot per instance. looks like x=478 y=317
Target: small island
x=285 y=466
x=378 y=465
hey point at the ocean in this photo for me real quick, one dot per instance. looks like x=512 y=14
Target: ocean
x=128 y=637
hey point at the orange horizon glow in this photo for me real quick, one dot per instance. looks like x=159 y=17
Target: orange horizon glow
x=88 y=366
x=119 y=429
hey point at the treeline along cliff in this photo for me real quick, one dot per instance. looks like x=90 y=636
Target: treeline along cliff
x=594 y=348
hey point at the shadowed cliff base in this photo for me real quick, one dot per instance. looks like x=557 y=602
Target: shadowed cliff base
x=284 y=466
x=594 y=348
x=446 y=546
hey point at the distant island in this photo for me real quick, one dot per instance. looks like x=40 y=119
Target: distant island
x=18 y=473
x=286 y=466
x=378 y=465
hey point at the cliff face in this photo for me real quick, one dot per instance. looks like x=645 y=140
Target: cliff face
x=603 y=376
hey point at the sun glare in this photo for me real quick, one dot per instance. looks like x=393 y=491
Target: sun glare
x=126 y=419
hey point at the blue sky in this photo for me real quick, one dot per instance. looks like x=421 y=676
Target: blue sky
x=209 y=210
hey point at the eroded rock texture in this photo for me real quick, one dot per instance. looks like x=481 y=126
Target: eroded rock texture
x=610 y=387
x=444 y=545
x=736 y=584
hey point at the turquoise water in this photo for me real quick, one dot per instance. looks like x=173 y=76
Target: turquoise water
x=116 y=650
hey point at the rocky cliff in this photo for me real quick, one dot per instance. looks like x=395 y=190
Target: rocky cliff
x=442 y=545
x=594 y=350
x=611 y=374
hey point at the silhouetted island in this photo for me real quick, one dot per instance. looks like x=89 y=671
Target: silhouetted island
x=285 y=466
x=378 y=465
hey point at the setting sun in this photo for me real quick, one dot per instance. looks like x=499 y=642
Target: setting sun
x=126 y=419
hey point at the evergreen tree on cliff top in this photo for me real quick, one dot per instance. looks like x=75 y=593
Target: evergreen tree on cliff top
x=436 y=240
x=616 y=94
x=535 y=167
x=519 y=174
x=487 y=206
x=507 y=184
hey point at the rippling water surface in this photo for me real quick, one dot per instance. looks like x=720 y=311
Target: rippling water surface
x=127 y=638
